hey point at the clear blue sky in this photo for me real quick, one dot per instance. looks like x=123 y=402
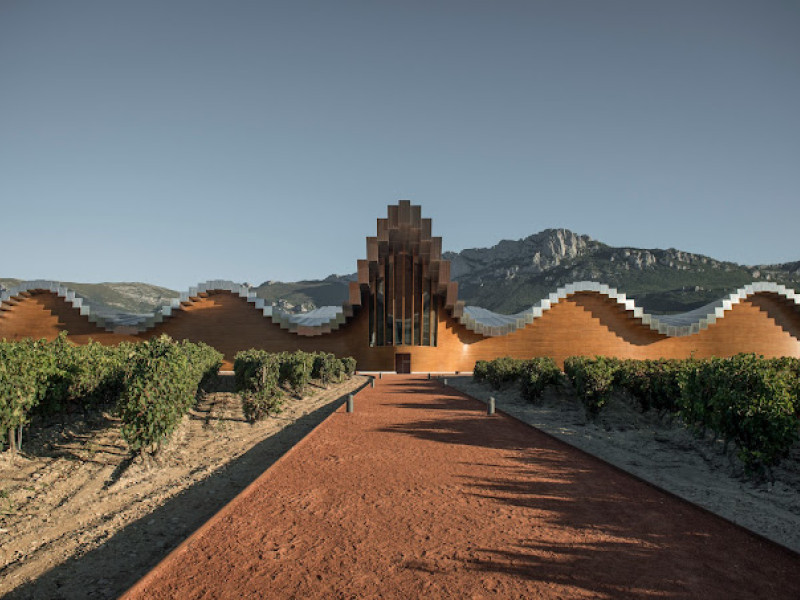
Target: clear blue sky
x=173 y=142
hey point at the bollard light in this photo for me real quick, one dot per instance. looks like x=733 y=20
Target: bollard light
x=490 y=409
x=444 y=382
x=349 y=403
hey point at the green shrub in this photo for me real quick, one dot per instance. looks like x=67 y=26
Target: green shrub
x=90 y=374
x=42 y=378
x=532 y=375
x=536 y=374
x=349 y=364
x=480 y=373
x=20 y=387
x=160 y=388
x=656 y=384
x=153 y=383
x=257 y=375
x=504 y=371
x=243 y=364
x=295 y=370
x=790 y=367
x=327 y=368
x=204 y=362
x=747 y=400
x=593 y=379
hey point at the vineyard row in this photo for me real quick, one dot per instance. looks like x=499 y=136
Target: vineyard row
x=748 y=400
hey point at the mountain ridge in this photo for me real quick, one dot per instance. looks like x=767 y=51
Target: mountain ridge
x=508 y=277
x=514 y=274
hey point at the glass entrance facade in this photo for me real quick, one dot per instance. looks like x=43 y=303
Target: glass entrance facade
x=402 y=303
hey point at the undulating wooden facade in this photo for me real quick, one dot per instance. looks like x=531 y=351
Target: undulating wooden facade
x=403 y=314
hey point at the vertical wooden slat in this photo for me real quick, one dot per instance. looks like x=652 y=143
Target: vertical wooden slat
x=436 y=248
x=430 y=302
x=435 y=320
x=432 y=314
x=373 y=312
x=389 y=301
x=414 y=303
x=383 y=230
x=404 y=210
x=401 y=298
x=407 y=299
x=425 y=229
x=418 y=301
x=372 y=249
x=363 y=272
x=410 y=300
x=398 y=300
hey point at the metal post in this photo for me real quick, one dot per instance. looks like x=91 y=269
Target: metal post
x=444 y=382
x=429 y=376
x=372 y=382
x=490 y=410
x=380 y=375
x=349 y=403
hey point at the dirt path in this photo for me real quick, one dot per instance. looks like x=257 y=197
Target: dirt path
x=665 y=453
x=78 y=521
x=420 y=494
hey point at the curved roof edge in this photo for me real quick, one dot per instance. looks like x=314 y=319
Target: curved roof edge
x=493 y=324
x=70 y=296
x=316 y=322
x=479 y=320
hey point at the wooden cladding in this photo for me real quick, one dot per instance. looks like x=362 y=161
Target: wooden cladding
x=583 y=324
x=405 y=280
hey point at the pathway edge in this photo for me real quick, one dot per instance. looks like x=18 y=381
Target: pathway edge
x=222 y=512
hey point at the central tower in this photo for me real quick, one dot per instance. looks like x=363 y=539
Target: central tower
x=407 y=279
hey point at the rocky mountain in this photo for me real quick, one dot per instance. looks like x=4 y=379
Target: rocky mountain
x=512 y=275
x=533 y=254
x=509 y=277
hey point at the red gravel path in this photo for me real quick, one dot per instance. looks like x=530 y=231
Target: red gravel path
x=420 y=494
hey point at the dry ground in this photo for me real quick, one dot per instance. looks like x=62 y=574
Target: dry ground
x=79 y=519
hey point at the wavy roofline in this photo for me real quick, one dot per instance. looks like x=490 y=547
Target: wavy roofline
x=70 y=296
x=678 y=325
x=476 y=319
x=294 y=323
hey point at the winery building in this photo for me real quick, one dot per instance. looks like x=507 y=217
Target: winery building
x=403 y=314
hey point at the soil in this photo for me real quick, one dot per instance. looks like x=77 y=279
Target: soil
x=419 y=493
x=662 y=451
x=80 y=519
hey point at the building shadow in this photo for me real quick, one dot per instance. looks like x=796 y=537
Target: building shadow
x=595 y=530
x=616 y=319
x=784 y=314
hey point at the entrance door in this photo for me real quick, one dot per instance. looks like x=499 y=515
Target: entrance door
x=402 y=363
